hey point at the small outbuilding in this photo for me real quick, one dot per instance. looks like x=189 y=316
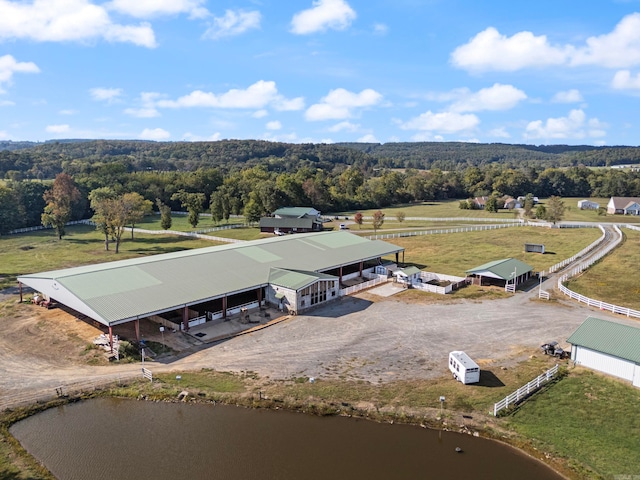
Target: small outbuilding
x=407 y=275
x=534 y=248
x=463 y=368
x=588 y=205
x=501 y=273
x=607 y=347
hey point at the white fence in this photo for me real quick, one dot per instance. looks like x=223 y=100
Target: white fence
x=584 y=251
x=456 y=219
x=362 y=286
x=526 y=390
x=429 y=276
x=590 y=301
x=440 y=231
x=42 y=227
x=188 y=234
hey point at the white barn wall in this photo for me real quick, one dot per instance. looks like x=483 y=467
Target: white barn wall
x=602 y=362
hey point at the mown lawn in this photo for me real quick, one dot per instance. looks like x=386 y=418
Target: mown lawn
x=42 y=251
x=455 y=253
x=589 y=419
x=613 y=279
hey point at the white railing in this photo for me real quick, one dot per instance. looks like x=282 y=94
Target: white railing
x=146 y=373
x=584 y=251
x=543 y=294
x=42 y=227
x=590 y=301
x=632 y=227
x=524 y=391
x=427 y=287
x=187 y=234
x=441 y=231
x=362 y=286
x=454 y=219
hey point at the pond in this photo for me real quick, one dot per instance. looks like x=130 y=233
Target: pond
x=106 y=439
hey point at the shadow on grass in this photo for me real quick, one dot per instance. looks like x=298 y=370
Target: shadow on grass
x=488 y=379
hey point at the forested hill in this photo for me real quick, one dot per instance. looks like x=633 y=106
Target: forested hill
x=456 y=155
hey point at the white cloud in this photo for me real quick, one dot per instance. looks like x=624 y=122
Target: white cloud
x=7 y=103
x=233 y=23
x=260 y=113
x=490 y=50
x=568 y=96
x=154 y=134
x=190 y=137
x=154 y=8
x=380 y=29
x=274 y=125
x=339 y=104
x=4 y=135
x=623 y=80
x=105 y=94
x=57 y=128
x=444 y=122
x=324 y=15
x=9 y=66
x=575 y=125
x=344 y=126
x=500 y=132
x=68 y=112
x=67 y=20
x=497 y=97
x=369 y=138
x=147 y=109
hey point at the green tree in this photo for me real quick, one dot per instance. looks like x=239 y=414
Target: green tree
x=193 y=202
x=400 y=216
x=253 y=210
x=9 y=210
x=60 y=198
x=491 y=204
x=555 y=209
x=217 y=206
x=541 y=212
x=165 y=214
x=137 y=207
x=378 y=220
x=100 y=199
x=528 y=205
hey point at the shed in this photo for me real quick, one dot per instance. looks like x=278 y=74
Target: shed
x=607 y=347
x=407 y=274
x=501 y=272
x=534 y=247
x=588 y=205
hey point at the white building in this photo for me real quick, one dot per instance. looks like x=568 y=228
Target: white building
x=607 y=347
x=588 y=205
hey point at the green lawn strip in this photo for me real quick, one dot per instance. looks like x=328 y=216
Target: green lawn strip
x=612 y=279
x=42 y=251
x=586 y=417
x=455 y=253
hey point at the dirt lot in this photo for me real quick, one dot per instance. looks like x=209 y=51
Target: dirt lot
x=352 y=338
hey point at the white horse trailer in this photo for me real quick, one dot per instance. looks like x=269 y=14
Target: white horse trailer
x=463 y=368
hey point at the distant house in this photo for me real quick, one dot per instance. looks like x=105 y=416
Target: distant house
x=501 y=272
x=511 y=203
x=480 y=202
x=588 y=205
x=624 y=206
x=292 y=220
x=521 y=200
x=607 y=347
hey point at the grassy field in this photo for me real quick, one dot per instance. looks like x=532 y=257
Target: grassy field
x=455 y=253
x=612 y=279
x=41 y=251
x=590 y=419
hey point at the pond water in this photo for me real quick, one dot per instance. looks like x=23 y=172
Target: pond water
x=126 y=439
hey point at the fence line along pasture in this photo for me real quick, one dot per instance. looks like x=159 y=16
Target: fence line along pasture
x=455 y=219
x=584 y=251
x=478 y=228
x=525 y=391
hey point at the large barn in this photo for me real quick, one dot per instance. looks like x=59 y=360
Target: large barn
x=192 y=286
x=607 y=347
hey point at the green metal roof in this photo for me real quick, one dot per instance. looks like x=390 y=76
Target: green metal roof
x=607 y=337
x=123 y=290
x=288 y=222
x=295 y=279
x=408 y=271
x=502 y=268
x=293 y=211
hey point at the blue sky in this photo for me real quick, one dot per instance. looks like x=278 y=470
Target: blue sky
x=322 y=70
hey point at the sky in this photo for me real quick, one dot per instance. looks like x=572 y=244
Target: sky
x=322 y=71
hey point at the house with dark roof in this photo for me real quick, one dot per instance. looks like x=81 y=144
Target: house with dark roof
x=608 y=347
x=501 y=273
x=624 y=206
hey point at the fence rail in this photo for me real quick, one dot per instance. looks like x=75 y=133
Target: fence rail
x=479 y=228
x=457 y=219
x=584 y=251
x=526 y=390
x=362 y=286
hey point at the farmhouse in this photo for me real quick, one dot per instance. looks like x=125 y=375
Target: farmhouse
x=190 y=287
x=292 y=220
x=501 y=272
x=624 y=206
x=607 y=347
x=588 y=205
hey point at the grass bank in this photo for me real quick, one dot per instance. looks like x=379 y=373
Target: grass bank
x=612 y=280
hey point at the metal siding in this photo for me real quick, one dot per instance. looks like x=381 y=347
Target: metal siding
x=605 y=363
x=636 y=376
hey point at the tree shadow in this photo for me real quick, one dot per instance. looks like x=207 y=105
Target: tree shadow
x=488 y=379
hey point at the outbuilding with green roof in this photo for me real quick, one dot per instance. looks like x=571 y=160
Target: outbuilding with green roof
x=608 y=347
x=501 y=272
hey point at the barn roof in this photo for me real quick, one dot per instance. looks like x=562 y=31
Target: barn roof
x=124 y=290
x=502 y=269
x=295 y=212
x=607 y=337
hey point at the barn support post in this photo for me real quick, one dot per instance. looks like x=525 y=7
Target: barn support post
x=361 y=263
x=403 y=257
x=224 y=307
x=137 y=325
x=397 y=257
x=111 y=338
x=340 y=275
x=185 y=319
x=259 y=297
x=20 y=287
